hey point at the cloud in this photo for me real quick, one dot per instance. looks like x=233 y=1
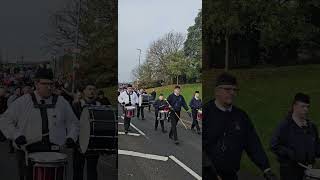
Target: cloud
x=143 y=21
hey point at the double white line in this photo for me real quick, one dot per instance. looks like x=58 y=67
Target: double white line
x=160 y=158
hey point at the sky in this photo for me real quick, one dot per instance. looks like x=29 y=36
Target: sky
x=22 y=23
x=142 y=21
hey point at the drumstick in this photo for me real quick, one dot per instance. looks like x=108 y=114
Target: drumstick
x=304 y=166
x=177 y=115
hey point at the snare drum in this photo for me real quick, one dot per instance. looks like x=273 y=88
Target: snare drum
x=48 y=166
x=199 y=115
x=312 y=174
x=163 y=115
x=98 y=130
x=129 y=111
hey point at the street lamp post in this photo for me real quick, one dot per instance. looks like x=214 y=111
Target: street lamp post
x=75 y=59
x=139 y=56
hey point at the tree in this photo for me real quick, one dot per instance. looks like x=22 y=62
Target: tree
x=158 y=51
x=177 y=65
x=97 y=38
x=222 y=19
x=193 y=44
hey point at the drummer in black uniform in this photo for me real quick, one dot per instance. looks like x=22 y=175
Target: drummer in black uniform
x=79 y=159
x=227 y=132
x=159 y=104
x=296 y=140
x=195 y=104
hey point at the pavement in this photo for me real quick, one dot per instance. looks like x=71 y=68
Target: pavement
x=146 y=154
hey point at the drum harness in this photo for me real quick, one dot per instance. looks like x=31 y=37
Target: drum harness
x=129 y=97
x=44 y=115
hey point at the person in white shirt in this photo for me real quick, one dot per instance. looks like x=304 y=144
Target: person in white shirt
x=39 y=121
x=128 y=98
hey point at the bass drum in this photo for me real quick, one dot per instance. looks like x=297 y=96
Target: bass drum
x=98 y=130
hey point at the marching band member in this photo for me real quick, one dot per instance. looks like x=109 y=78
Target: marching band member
x=3 y=108
x=227 y=132
x=91 y=158
x=195 y=104
x=296 y=140
x=39 y=120
x=159 y=104
x=176 y=101
x=102 y=99
x=16 y=95
x=153 y=97
x=128 y=98
x=140 y=108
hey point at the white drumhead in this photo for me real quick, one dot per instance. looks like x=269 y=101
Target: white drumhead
x=314 y=173
x=129 y=107
x=47 y=157
x=84 y=130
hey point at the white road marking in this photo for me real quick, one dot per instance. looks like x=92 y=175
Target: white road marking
x=194 y=174
x=143 y=155
x=142 y=133
x=130 y=134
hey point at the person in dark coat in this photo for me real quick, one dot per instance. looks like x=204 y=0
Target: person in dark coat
x=195 y=105
x=176 y=102
x=153 y=97
x=227 y=132
x=296 y=140
x=3 y=100
x=90 y=159
x=3 y=108
x=159 y=104
x=102 y=99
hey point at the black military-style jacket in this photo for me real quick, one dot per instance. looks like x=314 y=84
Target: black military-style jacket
x=226 y=135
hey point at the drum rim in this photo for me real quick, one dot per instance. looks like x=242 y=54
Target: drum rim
x=84 y=127
x=60 y=160
x=308 y=172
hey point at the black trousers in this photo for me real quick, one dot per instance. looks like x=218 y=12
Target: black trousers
x=127 y=123
x=140 y=109
x=79 y=160
x=291 y=172
x=194 y=120
x=174 y=121
x=23 y=170
x=208 y=173
x=157 y=121
x=11 y=148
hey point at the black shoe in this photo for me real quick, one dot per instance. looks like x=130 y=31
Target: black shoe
x=126 y=132
x=176 y=142
x=199 y=132
x=143 y=119
x=164 y=131
x=170 y=136
x=155 y=129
